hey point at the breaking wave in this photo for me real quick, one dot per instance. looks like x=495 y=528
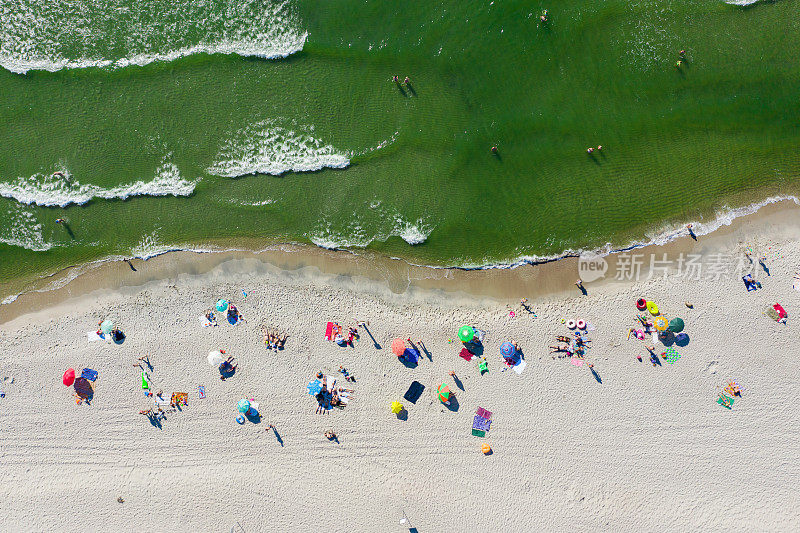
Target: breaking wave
x=268 y=148
x=60 y=34
x=61 y=190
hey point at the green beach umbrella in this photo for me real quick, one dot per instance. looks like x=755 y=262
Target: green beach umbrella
x=221 y=305
x=106 y=326
x=466 y=333
x=676 y=325
x=243 y=405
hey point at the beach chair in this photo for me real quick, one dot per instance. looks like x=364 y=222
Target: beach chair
x=483 y=366
x=89 y=374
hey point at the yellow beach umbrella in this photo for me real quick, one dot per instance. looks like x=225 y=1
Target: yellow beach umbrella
x=661 y=323
x=396 y=407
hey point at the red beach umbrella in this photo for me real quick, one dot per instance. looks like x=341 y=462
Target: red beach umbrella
x=69 y=377
x=398 y=347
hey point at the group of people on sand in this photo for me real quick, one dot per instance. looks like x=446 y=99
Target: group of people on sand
x=233 y=315
x=330 y=395
x=576 y=348
x=273 y=340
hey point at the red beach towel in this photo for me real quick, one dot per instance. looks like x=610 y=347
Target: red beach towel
x=466 y=354
x=329 y=331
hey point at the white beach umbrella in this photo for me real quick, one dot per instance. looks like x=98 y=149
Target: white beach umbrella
x=215 y=358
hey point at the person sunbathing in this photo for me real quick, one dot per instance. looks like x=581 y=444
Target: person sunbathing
x=554 y=349
x=281 y=341
x=562 y=338
x=211 y=318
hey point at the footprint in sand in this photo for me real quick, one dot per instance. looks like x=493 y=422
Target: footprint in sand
x=712 y=367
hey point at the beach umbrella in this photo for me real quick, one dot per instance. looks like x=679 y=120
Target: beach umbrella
x=106 y=326
x=486 y=449
x=444 y=393
x=661 y=323
x=69 y=377
x=676 y=325
x=396 y=407
x=466 y=333
x=507 y=349
x=215 y=358
x=243 y=405
x=221 y=305
x=398 y=347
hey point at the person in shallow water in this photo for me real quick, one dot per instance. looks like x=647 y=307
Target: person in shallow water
x=407 y=80
x=396 y=78
x=543 y=16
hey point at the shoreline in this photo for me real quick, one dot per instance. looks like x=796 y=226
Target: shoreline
x=547 y=278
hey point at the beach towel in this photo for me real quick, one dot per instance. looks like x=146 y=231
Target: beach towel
x=180 y=398
x=94 y=336
x=480 y=411
x=725 y=401
x=478 y=433
x=161 y=401
x=414 y=391
x=329 y=331
x=576 y=361
x=466 y=354
x=480 y=423
x=201 y=391
x=204 y=321
x=519 y=367
x=344 y=397
x=89 y=374
x=314 y=387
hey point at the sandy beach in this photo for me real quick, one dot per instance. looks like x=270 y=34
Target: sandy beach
x=624 y=446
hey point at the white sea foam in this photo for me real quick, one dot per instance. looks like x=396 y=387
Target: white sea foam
x=260 y=203
x=56 y=34
x=24 y=230
x=741 y=2
x=10 y=299
x=269 y=148
x=355 y=236
x=54 y=190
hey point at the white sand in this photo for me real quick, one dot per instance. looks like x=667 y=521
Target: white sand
x=648 y=449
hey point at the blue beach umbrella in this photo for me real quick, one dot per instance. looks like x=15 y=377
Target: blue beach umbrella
x=222 y=305
x=244 y=405
x=507 y=349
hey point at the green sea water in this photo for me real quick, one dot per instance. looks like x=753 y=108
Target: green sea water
x=172 y=130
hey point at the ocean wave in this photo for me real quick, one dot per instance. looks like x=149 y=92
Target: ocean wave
x=355 y=236
x=269 y=148
x=23 y=230
x=741 y=2
x=61 y=190
x=60 y=34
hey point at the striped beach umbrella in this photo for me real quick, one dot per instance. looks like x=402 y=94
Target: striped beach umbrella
x=507 y=349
